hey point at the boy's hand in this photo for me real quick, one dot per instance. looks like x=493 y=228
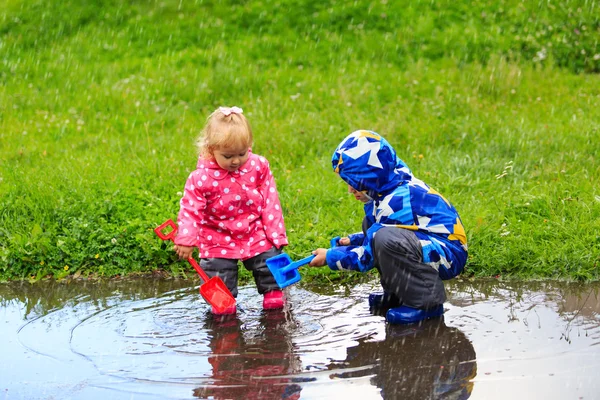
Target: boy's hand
x=345 y=241
x=320 y=258
x=183 y=251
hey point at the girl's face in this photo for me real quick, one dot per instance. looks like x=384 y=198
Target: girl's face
x=360 y=196
x=231 y=158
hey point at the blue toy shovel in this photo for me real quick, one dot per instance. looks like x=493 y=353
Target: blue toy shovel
x=285 y=270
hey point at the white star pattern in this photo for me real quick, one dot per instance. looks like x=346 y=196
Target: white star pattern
x=384 y=209
x=363 y=146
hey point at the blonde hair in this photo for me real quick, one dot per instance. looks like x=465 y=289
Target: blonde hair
x=223 y=131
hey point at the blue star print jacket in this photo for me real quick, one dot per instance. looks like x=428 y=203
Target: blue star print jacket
x=368 y=163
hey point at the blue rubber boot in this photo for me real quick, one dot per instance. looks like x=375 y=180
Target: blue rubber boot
x=383 y=300
x=410 y=315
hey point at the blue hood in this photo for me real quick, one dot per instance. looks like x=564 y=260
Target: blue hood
x=368 y=163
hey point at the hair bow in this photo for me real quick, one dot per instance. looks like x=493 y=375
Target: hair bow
x=226 y=111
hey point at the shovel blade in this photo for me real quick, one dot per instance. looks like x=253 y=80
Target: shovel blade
x=277 y=266
x=216 y=294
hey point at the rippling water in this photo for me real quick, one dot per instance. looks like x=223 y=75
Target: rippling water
x=157 y=340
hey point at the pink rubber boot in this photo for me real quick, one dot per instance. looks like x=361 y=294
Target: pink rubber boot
x=273 y=300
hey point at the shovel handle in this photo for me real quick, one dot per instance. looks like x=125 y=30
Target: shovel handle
x=198 y=269
x=166 y=236
x=297 y=264
x=169 y=236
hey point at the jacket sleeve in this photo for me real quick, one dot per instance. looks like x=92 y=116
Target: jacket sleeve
x=272 y=216
x=191 y=206
x=354 y=257
x=356 y=239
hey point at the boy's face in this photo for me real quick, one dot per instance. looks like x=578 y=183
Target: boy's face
x=360 y=196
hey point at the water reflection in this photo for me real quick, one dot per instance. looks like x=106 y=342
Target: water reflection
x=259 y=366
x=428 y=361
x=156 y=339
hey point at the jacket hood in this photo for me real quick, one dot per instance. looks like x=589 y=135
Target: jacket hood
x=368 y=163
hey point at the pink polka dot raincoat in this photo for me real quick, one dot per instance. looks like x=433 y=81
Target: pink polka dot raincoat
x=235 y=215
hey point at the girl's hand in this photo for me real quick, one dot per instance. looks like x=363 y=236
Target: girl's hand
x=183 y=251
x=320 y=258
x=345 y=241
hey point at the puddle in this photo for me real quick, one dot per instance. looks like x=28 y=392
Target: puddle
x=156 y=339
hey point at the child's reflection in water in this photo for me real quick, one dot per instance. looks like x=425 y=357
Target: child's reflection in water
x=423 y=361
x=248 y=364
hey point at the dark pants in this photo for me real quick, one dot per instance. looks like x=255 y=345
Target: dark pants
x=399 y=260
x=227 y=269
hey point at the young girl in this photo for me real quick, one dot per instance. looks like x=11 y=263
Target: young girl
x=230 y=209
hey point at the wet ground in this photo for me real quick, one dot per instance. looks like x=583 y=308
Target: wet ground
x=153 y=339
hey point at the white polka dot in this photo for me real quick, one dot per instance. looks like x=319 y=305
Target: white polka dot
x=274 y=234
x=227 y=238
x=226 y=190
x=258 y=168
x=230 y=208
x=271 y=217
x=252 y=163
x=259 y=208
x=276 y=241
x=237 y=197
x=213 y=209
x=217 y=173
x=252 y=179
x=215 y=183
x=232 y=179
x=251 y=240
x=191 y=202
x=203 y=177
x=223 y=217
x=206 y=253
x=239 y=224
x=232 y=244
x=276 y=206
x=271 y=189
x=241 y=251
x=222 y=225
x=249 y=202
x=185 y=231
x=223 y=251
x=239 y=236
x=209 y=237
x=240 y=211
x=192 y=187
x=186 y=214
x=199 y=183
x=280 y=225
x=262 y=243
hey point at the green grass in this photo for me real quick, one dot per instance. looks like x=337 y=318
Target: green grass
x=497 y=106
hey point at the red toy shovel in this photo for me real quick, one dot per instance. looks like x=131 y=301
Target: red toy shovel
x=213 y=290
